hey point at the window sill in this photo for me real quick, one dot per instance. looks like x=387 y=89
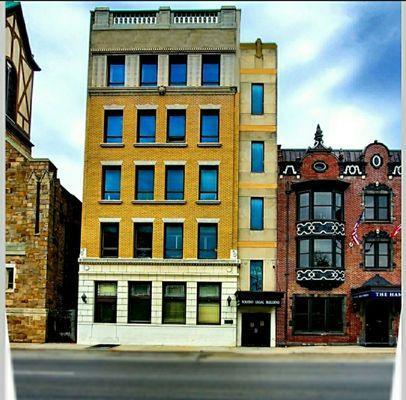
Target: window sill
x=111 y=144
x=110 y=201
x=377 y=221
x=167 y=202
x=298 y=333
x=214 y=144
x=208 y=202
x=160 y=145
x=388 y=269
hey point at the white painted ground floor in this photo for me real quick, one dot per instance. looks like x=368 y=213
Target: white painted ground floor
x=167 y=302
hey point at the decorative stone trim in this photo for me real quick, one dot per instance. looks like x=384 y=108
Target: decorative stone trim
x=209 y=162
x=140 y=50
x=108 y=219
x=143 y=219
x=160 y=145
x=134 y=91
x=320 y=228
x=208 y=202
x=176 y=106
x=110 y=201
x=111 y=144
x=210 y=106
x=146 y=106
x=113 y=107
x=209 y=145
x=112 y=162
x=144 y=162
x=320 y=275
x=175 y=162
x=208 y=220
x=160 y=202
x=175 y=220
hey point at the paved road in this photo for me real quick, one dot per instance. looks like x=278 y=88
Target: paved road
x=101 y=374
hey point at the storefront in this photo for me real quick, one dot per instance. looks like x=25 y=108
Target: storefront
x=378 y=304
x=257 y=318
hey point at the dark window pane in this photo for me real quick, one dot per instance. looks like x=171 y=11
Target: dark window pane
x=301 y=314
x=322 y=198
x=369 y=261
x=369 y=214
x=304 y=199
x=323 y=252
x=334 y=315
x=144 y=181
x=322 y=212
x=116 y=71
x=209 y=126
x=207 y=241
x=174 y=183
x=177 y=70
x=174 y=304
x=105 y=302
x=208 y=183
x=257 y=157
x=383 y=262
x=109 y=239
x=149 y=69
x=9 y=278
x=112 y=182
x=257 y=213
x=257 y=98
x=139 y=302
x=113 y=132
x=210 y=70
x=383 y=214
x=143 y=240
x=303 y=213
x=317 y=315
x=146 y=126
x=176 y=126
x=256 y=275
x=173 y=241
x=11 y=91
x=304 y=253
x=383 y=201
x=369 y=201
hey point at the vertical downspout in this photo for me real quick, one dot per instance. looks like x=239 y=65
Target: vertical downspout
x=288 y=191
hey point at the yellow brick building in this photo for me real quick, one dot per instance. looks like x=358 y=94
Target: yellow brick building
x=160 y=225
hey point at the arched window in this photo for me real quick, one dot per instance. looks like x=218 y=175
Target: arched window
x=377 y=251
x=377 y=203
x=11 y=91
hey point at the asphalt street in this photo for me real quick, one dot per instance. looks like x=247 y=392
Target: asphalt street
x=105 y=374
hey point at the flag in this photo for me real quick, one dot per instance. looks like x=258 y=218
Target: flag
x=354 y=233
x=396 y=231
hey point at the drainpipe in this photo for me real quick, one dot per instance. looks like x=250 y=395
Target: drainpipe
x=288 y=191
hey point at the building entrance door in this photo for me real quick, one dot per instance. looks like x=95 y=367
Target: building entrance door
x=256 y=330
x=377 y=323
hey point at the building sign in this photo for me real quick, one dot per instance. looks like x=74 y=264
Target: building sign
x=372 y=294
x=264 y=299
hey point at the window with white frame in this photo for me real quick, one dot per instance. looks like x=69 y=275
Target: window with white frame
x=10 y=277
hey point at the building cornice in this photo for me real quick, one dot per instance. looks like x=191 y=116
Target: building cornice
x=148 y=91
x=145 y=50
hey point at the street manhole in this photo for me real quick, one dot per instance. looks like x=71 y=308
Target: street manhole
x=102 y=346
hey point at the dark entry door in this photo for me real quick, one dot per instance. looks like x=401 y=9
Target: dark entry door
x=256 y=330
x=377 y=323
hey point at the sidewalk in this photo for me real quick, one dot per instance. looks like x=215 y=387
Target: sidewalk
x=259 y=351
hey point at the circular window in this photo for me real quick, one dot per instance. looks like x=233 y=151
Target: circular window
x=319 y=166
x=376 y=161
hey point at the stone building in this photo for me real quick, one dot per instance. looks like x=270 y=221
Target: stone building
x=339 y=214
x=42 y=218
x=160 y=225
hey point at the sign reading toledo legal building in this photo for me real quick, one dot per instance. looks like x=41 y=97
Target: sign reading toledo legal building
x=264 y=299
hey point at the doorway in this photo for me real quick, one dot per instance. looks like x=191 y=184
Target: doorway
x=256 y=330
x=377 y=323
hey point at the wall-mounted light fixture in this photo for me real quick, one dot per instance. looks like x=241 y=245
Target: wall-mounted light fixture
x=229 y=301
x=84 y=298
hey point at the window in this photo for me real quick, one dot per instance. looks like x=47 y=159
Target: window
x=11 y=91
x=257 y=156
x=177 y=70
x=113 y=126
x=257 y=213
x=116 y=70
x=10 y=268
x=139 y=302
x=109 y=239
x=173 y=247
x=257 y=99
x=377 y=251
x=318 y=314
x=256 y=275
x=377 y=207
x=210 y=70
x=176 y=126
x=143 y=240
x=144 y=183
x=207 y=241
x=320 y=253
x=318 y=205
x=208 y=303
x=208 y=187
x=105 y=302
x=174 y=303
x=209 y=126
x=149 y=70
x=111 y=183
x=174 y=189
x=146 y=126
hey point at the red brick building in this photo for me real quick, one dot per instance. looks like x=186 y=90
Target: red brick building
x=339 y=288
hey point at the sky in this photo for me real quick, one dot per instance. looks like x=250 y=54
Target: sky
x=339 y=66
